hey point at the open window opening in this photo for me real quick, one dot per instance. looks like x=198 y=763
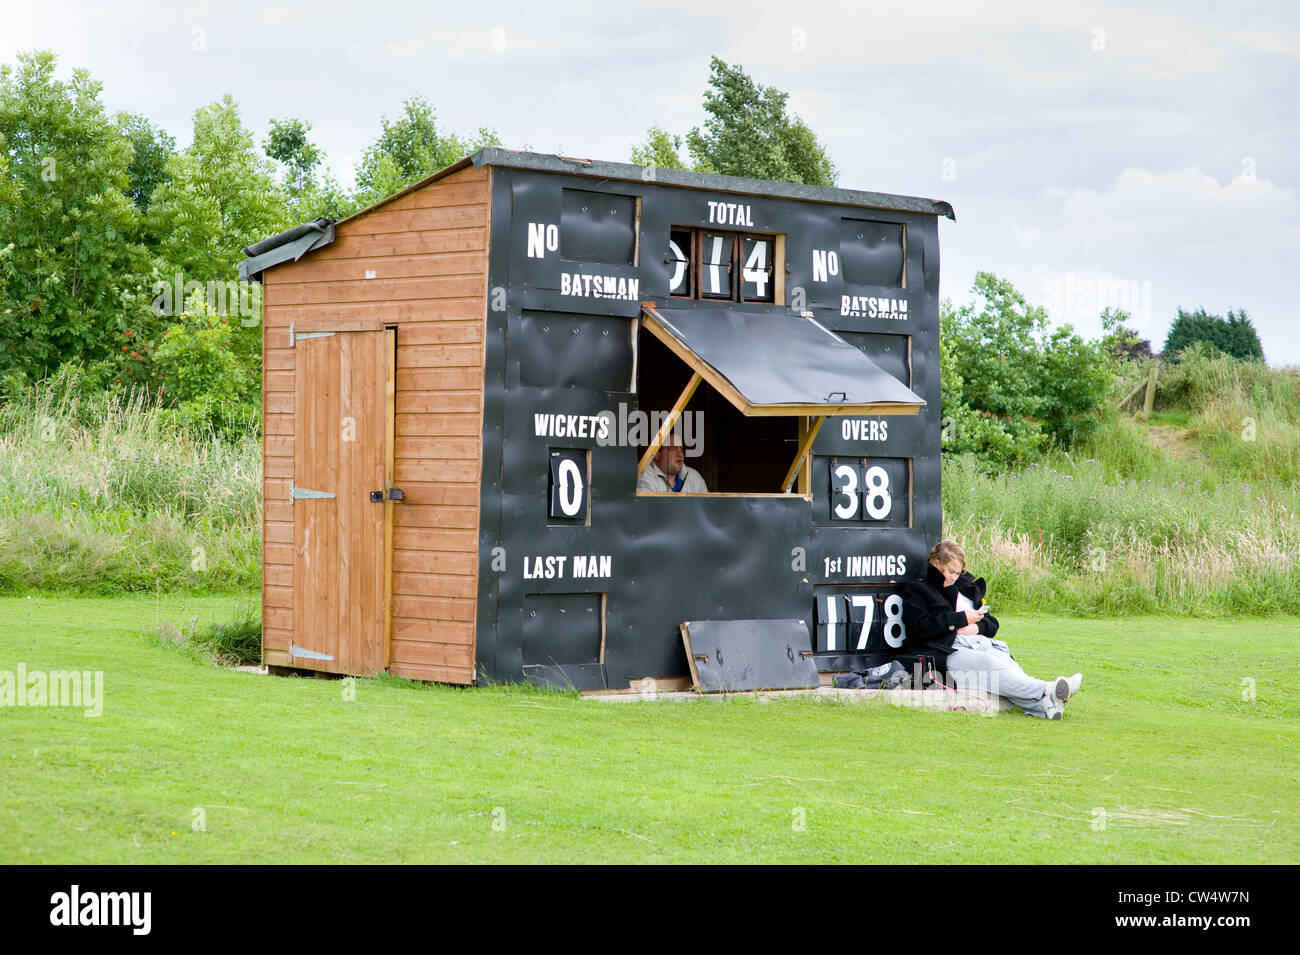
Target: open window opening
x=734 y=454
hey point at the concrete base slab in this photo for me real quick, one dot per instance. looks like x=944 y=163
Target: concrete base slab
x=968 y=701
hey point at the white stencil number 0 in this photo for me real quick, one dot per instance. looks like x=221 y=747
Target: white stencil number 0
x=570 y=488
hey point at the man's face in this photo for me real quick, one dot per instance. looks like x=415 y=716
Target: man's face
x=670 y=458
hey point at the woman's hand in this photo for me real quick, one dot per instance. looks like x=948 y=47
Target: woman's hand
x=969 y=630
x=974 y=616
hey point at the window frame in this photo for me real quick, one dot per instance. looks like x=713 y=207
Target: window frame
x=695 y=265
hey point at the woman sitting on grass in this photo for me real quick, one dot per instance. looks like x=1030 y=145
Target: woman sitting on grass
x=946 y=619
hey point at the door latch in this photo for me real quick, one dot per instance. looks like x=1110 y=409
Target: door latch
x=392 y=494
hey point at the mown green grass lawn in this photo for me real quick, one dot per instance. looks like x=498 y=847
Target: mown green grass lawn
x=1159 y=760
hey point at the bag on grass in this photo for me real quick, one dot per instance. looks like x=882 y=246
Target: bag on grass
x=887 y=676
x=920 y=670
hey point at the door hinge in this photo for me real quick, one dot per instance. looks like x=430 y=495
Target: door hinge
x=298 y=493
x=307 y=654
x=293 y=338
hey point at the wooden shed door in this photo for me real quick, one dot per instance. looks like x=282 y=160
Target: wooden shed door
x=343 y=450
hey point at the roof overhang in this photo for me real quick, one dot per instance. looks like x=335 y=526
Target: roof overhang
x=713 y=182
x=289 y=246
x=778 y=363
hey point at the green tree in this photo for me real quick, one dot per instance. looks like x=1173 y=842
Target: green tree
x=291 y=146
x=151 y=148
x=660 y=150
x=1120 y=340
x=1243 y=340
x=964 y=430
x=309 y=195
x=1235 y=336
x=991 y=346
x=749 y=133
x=222 y=196
x=72 y=271
x=410 y=148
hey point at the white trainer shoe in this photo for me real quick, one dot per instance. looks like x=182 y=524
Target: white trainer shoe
x=1053 y=706
x=1059 y=689
x=1066 y=687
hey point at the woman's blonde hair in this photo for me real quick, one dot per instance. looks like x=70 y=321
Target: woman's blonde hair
x=945 y=552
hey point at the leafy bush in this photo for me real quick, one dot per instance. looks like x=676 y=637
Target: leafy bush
x=199 y=367
x=202 y=376
x=1013 y=387
x=1121 y=341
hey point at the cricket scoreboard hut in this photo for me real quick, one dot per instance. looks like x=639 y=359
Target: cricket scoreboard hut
x=462 y=383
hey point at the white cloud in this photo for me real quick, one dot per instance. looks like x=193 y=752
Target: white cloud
x=1038 y=46
x=1151 y=243
x=1146 y=215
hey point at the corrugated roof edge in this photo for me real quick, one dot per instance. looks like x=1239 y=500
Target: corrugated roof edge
x=279 y=248
x=289 y=245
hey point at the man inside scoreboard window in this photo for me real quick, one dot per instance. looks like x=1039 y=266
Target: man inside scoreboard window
x=668 y=471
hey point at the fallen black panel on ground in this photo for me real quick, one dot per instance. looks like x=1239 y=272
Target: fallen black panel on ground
x=730 y=655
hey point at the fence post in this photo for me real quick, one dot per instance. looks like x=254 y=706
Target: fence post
x=1150 y=403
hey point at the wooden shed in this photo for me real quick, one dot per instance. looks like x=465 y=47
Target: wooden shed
x=464 y=382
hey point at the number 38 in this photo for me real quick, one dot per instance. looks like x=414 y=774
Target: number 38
x=867 y=490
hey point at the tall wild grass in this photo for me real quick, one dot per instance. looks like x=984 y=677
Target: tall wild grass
x=1127 y=527
x=103 y=495
x=1242 y=414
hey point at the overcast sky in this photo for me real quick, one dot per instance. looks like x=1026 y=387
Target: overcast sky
x=1141 y=154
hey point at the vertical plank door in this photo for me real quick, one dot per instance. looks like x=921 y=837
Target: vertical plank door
x=343 y=451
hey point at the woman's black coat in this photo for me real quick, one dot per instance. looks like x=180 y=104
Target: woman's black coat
x=930 y=618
